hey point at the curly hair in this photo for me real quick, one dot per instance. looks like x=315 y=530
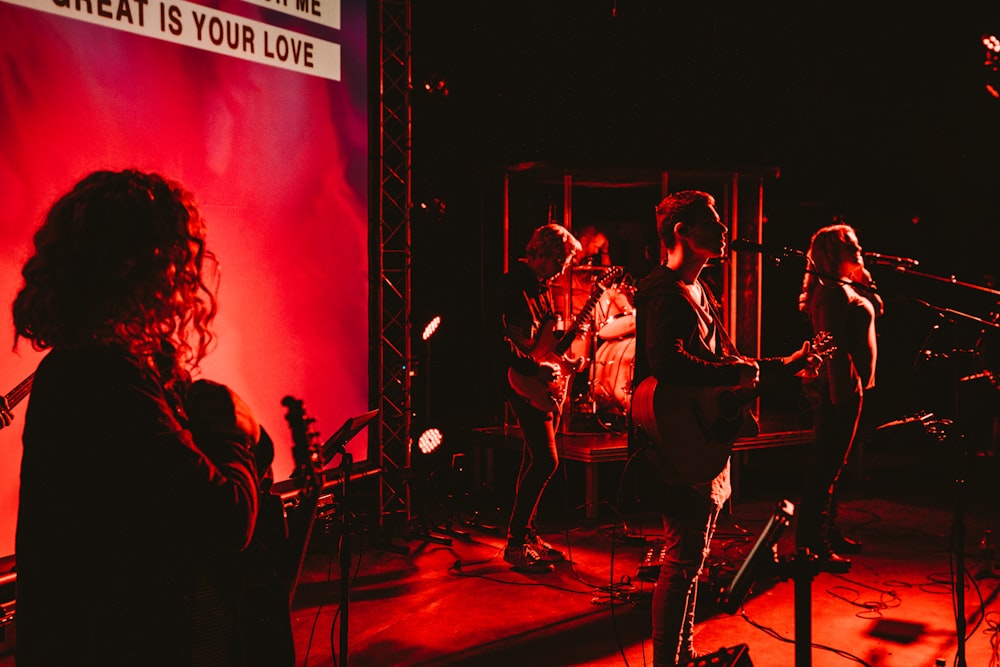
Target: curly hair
x=119 y=261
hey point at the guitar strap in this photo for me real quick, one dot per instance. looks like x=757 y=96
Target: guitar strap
x=716 y=327
x=750 y=426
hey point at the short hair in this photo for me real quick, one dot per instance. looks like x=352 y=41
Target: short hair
x=554 y=241
x=676 y=207
x=118 y=261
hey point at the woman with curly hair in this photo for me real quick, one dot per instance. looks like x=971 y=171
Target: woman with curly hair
x=138 y=484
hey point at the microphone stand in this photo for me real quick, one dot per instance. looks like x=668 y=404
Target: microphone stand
x=337 y=444
x=962 y=454
x=346 y=463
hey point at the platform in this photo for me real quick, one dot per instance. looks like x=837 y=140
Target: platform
x=592 y=449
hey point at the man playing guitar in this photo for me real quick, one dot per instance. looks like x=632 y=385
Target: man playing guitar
x=525 y=310
x=680 y=340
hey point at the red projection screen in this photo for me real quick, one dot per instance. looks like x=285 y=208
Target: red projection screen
x=259 y=107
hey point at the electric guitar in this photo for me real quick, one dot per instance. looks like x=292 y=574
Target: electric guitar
x=550 y=345
x=694 y=428
x=308 y=476
x=16 y=395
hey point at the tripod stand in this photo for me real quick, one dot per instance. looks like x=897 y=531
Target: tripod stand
x=802 y=567
x=943 y=431
x=337 y=444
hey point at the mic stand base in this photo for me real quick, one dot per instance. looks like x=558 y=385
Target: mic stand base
x=802 y=568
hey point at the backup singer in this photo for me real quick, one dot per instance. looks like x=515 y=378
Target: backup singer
x=682 y=342
x=525 y=307
x=138 y=485
x=838 y=296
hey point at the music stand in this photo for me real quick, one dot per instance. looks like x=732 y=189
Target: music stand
x=761 y=556
x=336 y=444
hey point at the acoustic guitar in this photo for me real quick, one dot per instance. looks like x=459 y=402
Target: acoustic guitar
x=551 y=346
x=694 y=428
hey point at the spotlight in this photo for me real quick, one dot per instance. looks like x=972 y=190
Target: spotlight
x=431 y=327
x=432 y=210
x=429 y=440
x=436 y=85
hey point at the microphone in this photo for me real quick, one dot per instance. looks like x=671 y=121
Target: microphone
x=891 y=260
x=744 y=245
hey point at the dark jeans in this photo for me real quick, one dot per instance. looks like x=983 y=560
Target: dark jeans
x=688 y=523
x=836 y=426
x=539 y=461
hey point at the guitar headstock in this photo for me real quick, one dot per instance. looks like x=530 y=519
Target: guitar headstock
x=305 y=449
x=605 y=280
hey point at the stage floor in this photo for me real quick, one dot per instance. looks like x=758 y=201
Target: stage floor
x=416 y=601
x=460 y=604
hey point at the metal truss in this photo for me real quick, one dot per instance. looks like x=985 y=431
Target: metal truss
x=394 y=258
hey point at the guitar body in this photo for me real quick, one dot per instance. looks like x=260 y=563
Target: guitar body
x=545 y=396
x=693 y=428
x=550 y=345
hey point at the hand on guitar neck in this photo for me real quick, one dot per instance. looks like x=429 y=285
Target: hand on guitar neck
x=811 y=355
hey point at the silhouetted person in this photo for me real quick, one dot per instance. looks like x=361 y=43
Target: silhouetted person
x=682 y=345
x=525 y=321
x=138 y=485
x=837 y=297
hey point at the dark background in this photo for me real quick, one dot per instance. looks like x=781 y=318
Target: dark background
x=876 y=117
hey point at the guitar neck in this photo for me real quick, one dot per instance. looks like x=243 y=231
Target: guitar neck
x=20 y=392
x=570 y=333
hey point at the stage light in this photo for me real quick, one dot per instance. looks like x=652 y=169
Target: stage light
x=431 y=327
x=436 y=85
x=429 y=440
x=430 y=211
x=991 y=62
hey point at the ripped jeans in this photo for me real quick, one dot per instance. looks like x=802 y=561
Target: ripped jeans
x=688 y=523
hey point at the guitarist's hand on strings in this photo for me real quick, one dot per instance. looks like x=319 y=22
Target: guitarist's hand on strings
x=548 y=372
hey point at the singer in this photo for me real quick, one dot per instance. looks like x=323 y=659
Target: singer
x=835 y=268
x=682 y=345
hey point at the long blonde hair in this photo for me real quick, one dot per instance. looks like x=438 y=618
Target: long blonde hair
x=827 y=249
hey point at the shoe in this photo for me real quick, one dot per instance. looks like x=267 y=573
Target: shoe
x=831 y=561
x=546 y=551
x=844 y=545
x=524 y=558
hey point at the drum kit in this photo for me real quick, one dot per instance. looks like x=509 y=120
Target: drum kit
x=606 y=343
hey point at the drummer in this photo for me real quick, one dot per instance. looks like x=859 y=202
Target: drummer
x=595 y=247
